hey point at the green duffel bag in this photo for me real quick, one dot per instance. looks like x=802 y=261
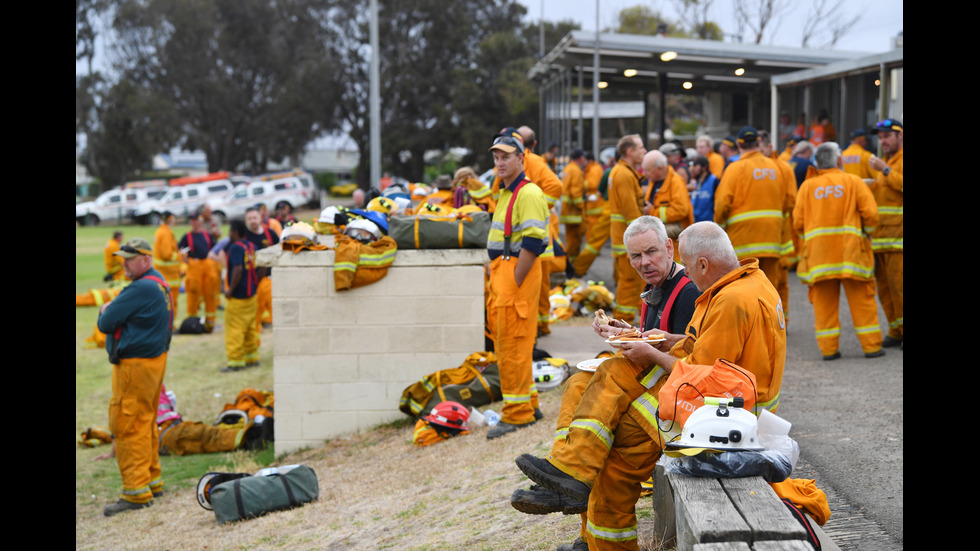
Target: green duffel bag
x=272 y=489
x=479 y=391
x=466 y=231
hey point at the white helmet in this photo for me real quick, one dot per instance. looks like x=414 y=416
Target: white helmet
x=298 y=231
x=549 y=373
x=363 y=230
x=720 y=427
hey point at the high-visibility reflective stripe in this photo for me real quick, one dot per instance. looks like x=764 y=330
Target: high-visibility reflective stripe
x=158 y=262
x=832 y=332
x=756 y=248
x=98 y=297
x=612 y=534
x=236 y=363
x=771 y=405
x=889 y=211
x=867 y=329
x=561 y=434
x=345 y=266
x=753 y=215
x=886 y=243
x=517 y=228
x=662 y=213
x=834 y=230
x=594 y=212
x=386 y=257
x=837 y=269
x=618 y=250
x=479 y=193
x=517 y=398
x=427 y=384
x=897 y=323
x=136 y=491
x=629 y=309
x=787 y=248
x=595 y=427
x=570 y=219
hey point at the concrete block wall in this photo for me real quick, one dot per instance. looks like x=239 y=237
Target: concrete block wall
x=343 y=358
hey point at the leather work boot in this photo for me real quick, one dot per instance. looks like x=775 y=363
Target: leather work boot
x=544 y=473
x=577 y=545
x=891 y=342
x=122 y=506
x=539 y=500
x=504 y=427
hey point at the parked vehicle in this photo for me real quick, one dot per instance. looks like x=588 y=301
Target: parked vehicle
x=305 y=179
x=115 y=204
x=272 y=194
x=182 y=201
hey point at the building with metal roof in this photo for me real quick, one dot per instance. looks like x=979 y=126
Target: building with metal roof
x=637 y=72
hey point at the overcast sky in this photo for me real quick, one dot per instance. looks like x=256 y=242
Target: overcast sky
x=881 y=19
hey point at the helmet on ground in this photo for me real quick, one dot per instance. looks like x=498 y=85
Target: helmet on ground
x=231 y=417
x=450 y=415
x=549 y=373
x=722 y=426
x=383 y=205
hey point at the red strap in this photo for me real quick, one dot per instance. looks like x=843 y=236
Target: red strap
x=665 y=316
x=510 y=207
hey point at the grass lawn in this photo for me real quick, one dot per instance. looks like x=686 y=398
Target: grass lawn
x=192 y=373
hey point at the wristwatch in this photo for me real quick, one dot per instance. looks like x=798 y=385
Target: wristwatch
x=887 y=170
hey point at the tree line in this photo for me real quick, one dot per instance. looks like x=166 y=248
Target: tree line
x=252 y=82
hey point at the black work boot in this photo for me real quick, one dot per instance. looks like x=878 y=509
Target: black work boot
x=539 y=500
x=544 y=473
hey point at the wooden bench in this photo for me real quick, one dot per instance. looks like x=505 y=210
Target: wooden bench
x=728 y=514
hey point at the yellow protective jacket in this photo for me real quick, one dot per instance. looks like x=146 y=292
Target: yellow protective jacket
x=166 y=258
x=625 y=203
x=672 y=203
x=835 y=214
x=740 y=319
x=855 y=159
x=750 y=203
x=529 y=221
x=889 y=192
x=358 y=264
x=594 y=201
x=113 y=263
x=716 y=164
x=573 y=195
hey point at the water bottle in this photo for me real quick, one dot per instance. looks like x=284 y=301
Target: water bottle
x=492 y=417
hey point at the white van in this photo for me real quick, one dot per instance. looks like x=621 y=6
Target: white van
x=290 y=191
x=182 y=201
x=115 y=204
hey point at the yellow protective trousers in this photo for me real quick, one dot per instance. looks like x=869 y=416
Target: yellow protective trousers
x=629 y=285
x=132 y=419
x=512 y=322
x=187 y=438
x=201 y=285
x=241 y=344
x=596 y=236
x=571 y=395
x=825 y=297
x=608 y=450
x=574 y=234
x=263 y=313
x=549 y=266
x=890 y=276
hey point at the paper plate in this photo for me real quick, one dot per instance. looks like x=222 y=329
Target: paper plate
x=615 y=342
x=590 y=365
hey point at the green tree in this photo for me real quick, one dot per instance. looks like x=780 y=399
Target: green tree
x=642 y=19
x=251 y=81
x=429 y=71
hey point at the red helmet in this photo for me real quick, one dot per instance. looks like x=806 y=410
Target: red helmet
x=453 y=415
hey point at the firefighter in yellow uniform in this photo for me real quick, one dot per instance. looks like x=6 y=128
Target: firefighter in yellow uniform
x=856 y=157
x=537 y=170
x=667 y=196
x=751 y=202
x=836 y=213
x=626 y=205
x=138 y=324
x=887 y=241
x=573 y=203
x=788 y=240
x=200 y=285
x=166 y=256
x=518 y=234
x=113 y=264
x=613 y=443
